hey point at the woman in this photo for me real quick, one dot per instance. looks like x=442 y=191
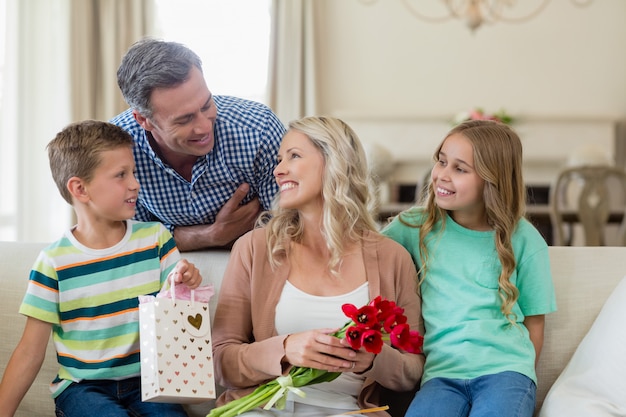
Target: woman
x=286 y=281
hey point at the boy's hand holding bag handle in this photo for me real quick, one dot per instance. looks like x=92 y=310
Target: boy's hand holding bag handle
x=176 y=351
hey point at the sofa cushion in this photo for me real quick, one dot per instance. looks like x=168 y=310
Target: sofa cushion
x=584 y=277
x=593 y=383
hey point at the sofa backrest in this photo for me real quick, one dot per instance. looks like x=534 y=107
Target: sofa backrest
x=583 y=277
x=16 y=260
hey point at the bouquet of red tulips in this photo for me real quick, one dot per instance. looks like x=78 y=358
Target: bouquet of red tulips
x=367 y=328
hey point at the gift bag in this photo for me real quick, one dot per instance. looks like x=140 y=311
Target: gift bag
x=176 y=351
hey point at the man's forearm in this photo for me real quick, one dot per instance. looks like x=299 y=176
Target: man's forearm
x=195 y=237
x=201 y=236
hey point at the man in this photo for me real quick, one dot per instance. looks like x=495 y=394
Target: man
x=205 y=163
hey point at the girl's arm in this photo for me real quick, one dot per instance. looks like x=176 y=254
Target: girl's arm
x=535 y=326
x=24 y=365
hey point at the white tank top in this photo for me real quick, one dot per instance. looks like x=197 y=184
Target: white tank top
x=298 y=311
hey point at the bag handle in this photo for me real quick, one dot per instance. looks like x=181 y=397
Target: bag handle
x=170 y=278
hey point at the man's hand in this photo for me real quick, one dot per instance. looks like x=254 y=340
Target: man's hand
x=232 y=221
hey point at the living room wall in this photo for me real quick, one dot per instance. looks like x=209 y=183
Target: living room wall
x=378 y=59
x=399 y=80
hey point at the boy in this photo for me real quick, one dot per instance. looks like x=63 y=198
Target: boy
x=84 y=287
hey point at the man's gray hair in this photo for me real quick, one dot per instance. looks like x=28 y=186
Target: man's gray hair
x=150 y=64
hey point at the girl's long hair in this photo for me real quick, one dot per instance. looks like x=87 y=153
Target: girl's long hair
x=498 y=161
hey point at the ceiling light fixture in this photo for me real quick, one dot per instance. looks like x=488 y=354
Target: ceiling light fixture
x=478 y=12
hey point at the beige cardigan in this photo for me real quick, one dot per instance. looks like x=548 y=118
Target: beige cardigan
x=247 y=350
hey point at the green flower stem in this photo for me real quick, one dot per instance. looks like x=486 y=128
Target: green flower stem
x=300 y=377
x=255 y=399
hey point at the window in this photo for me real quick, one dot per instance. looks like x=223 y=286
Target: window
x=232 y=38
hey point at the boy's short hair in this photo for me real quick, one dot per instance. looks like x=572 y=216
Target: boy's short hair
x=76 y=150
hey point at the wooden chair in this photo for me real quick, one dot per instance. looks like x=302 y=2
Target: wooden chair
x=592 y=196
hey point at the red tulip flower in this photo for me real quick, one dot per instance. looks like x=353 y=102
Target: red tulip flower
x=372 y=341
x=366 y=316
x=405 y=339
x=354 y=335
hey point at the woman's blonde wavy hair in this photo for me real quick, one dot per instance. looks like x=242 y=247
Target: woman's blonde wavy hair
x=346 y=191
x=498 y=161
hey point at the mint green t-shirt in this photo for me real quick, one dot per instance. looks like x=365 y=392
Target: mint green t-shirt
x=466 y=333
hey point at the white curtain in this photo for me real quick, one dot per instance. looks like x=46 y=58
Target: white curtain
x=54 y=75
x=292 y=67
x=101 y=32
x=35 y=105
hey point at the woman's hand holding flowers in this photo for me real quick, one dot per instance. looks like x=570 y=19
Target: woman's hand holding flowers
x=363 y=360
x=319 y=349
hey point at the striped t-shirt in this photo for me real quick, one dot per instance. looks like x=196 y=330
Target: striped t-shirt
x=90 y=297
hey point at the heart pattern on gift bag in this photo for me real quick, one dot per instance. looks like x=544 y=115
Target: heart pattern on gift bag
x=195 y=321
x=183 y=356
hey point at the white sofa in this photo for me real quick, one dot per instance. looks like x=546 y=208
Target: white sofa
x=584 y=277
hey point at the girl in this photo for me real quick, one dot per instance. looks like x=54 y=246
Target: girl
x=484 y=278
